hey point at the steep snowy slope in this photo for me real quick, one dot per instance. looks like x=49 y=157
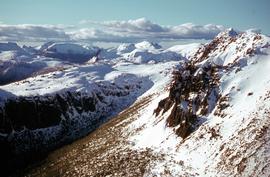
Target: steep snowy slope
x=218 y=105
x=186 y=50
x=125 y=48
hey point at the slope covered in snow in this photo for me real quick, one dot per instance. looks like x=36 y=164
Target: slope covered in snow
x=230 y=137
x=147 y=45
x=187 y=50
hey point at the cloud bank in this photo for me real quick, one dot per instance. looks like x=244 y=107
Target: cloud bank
x=32 y=33
x=108 y=31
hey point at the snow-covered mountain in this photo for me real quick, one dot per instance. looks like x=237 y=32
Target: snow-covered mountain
x=10 y=46
x=69 y=52
x=190 y=110
x=17 y=63
x=143 y=52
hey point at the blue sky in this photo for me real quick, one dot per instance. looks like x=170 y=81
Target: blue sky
x=239 y=14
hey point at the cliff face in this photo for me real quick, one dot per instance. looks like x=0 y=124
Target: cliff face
x=67 y=111
x=33 y=125
x=43 y=111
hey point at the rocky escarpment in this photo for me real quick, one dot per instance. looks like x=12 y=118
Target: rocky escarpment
x=33 y=125
x=43 y=111
x=192 y=94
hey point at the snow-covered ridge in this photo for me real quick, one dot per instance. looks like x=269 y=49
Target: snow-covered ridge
x=143 y=52
x=229 y=48
x=225 y=133
x=196 y=90
x=148 y=45
x=67 y=48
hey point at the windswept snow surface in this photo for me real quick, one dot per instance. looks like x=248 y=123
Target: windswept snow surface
x=80 y=78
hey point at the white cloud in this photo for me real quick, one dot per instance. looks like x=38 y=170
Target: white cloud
x=193 y=31
x=108 y=31
x=144 y=29
x=28 y=32
x=138 y=25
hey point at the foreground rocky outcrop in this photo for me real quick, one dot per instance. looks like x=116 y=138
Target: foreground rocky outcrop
x=195 y=90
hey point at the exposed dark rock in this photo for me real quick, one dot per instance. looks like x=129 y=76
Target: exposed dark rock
x=250 y=93
x=35 y=112
x=193 y=92
x=221 y=105
x=31 y=113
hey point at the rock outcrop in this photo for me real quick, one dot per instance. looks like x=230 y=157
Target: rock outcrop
x=192 y=94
